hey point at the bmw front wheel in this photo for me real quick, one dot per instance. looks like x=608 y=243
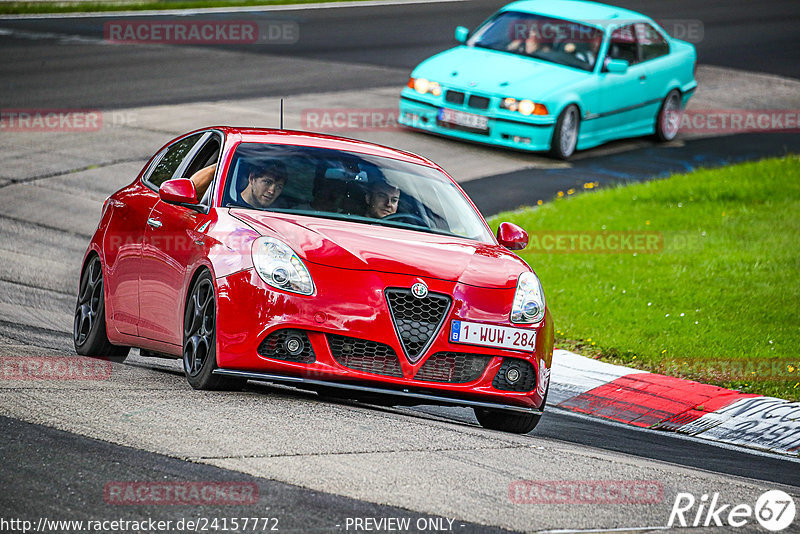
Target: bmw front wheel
x=565 y=134
x=668 y=120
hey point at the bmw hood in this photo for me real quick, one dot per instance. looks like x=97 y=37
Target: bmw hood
x=497 y=73
x=358 y=246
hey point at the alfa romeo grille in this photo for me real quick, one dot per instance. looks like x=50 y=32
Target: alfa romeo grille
x=365 y=356
x=274 y=346
x=453 y=367
x=417 y=320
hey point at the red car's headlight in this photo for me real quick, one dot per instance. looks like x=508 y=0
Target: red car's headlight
x=279 y=266
x=529 y=304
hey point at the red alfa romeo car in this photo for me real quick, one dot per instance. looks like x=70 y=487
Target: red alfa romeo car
x=330 y=264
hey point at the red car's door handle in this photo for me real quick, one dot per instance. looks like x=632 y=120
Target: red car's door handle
x=155 y=223
x=642 y=78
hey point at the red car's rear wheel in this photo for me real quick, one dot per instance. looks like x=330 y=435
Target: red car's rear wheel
x=89 y=326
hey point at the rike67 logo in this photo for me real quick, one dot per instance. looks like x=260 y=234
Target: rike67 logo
x=774 y=510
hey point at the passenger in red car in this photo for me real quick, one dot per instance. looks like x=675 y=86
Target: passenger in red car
x=382 y=199
x=265 y=185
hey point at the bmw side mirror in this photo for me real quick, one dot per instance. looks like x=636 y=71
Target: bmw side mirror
x=461 y=34
x=512 y=236
x=178 y=191
x=617 y=66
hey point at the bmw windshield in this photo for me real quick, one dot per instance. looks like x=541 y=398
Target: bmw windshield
x=548 y=39
x=351 y=186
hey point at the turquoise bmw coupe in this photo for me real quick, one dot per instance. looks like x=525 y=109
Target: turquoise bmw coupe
x=556 y=76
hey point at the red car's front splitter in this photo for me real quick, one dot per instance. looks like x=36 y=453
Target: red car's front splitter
x=423 y=398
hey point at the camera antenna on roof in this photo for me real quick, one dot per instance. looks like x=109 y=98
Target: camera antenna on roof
x=281 y=114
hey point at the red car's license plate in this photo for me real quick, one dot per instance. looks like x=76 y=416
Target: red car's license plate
x=489 y=335
x=460 y=118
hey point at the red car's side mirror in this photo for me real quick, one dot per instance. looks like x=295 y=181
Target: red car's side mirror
x=512 y=236
x=178 y=191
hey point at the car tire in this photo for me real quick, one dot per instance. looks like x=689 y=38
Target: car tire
x=508 y=421
x=89 y=326
x=669 y=117
x=565 y=134
x=200 y=338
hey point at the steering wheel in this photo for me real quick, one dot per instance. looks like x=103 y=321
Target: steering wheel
x=415 y=219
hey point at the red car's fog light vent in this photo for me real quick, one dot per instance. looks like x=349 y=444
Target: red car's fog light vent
x=287 y=345
x=515 y=375
x=416 y=319
x=366 y=356
x=453 y=367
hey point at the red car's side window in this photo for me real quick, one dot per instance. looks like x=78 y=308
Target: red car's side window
x=171 y=160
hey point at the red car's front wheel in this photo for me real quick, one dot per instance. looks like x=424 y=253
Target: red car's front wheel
x=508 y=421
x=199 y=338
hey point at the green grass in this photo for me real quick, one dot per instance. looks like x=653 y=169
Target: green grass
x=16 y=8
x=724 y=290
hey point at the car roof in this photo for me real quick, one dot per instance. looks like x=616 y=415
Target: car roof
x=576 y=10
x=293 y=137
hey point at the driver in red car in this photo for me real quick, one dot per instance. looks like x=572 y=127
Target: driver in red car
x=382 y=199
x=265 y=185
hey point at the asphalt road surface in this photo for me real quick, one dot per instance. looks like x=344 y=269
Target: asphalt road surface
x=47 y=63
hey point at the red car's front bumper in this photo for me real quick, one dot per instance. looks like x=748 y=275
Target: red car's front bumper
x=353 y=338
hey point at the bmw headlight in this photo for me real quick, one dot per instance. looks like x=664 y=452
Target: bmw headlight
x=423 y=86
x=279 y=266
x=529 y=305
x=526 y=107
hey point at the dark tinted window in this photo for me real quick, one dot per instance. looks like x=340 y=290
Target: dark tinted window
x=623 y=45
x=651 y=43
x=536 y=36
x=335 y=184
x=166 y=167
x=207 y=155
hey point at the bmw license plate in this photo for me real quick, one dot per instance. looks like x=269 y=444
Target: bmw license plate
x=489 y=335
x=468 y=120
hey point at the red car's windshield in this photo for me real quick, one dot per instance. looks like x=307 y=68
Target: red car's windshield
x=346 y=185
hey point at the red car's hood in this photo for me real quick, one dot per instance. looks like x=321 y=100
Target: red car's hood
x=350 y=245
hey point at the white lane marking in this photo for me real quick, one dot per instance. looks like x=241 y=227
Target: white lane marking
x=241 y=9
x=62 y=37
x=599 y=530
